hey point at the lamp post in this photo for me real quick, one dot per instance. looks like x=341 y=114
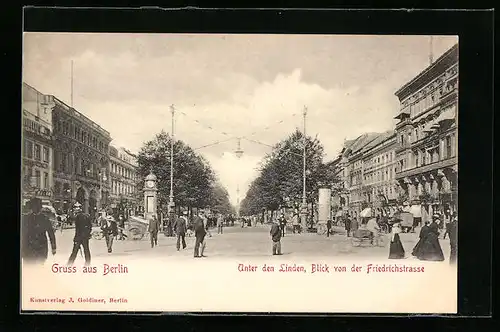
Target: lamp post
x=171 y=204
x=303 y=211
x=102 y=177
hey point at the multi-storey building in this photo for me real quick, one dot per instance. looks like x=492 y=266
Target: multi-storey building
x=123 y=178
x=355 y=170
x=37 y=179
x=379 y=170
x=81 y=162
x=427 y=135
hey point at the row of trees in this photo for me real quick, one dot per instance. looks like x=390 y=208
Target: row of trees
x=280 y=182
x=195 y=183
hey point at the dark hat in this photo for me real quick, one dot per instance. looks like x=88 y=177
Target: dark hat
x=35 y=203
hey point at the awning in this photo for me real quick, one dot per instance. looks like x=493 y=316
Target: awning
x=416 y=210
x=448 y=115
x=366 y=213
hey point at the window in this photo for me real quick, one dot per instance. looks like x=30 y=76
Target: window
x=448 y=147
x=64 y=162
x=45 y=154
x=37 y=179
x=37 y=152
x=452 y=143
x=46 y=180
x=28 y=149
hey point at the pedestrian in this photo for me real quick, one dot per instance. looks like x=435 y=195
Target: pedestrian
x=296 y=223
x=423 y=234
x=276 y=238
x=180 y=227
x=347 y=225
x=35 y=228
x=328 y=227
x=374 y=228
x=199 y=233
x=110 y=230
x=354 y=224
x=282 y=222
x=453 y=233
x=220 y=224
x=83 y=229
x=60 y=223
x=448 y=220
x=153 y=228
x=206 y=224
x=396 y=250
x=428 y=248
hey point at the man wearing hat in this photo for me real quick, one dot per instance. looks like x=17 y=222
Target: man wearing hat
x=199 y=233
x=83 y=229
x=153 y=228
x=180 y=227
x=35 y=228
x=110 y=230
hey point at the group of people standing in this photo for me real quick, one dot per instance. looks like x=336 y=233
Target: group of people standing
x=428 y=247
x=36 y=227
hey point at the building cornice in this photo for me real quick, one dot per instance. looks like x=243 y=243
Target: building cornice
x=446 y=60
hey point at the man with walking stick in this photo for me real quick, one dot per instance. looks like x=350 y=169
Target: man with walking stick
x=83 y=229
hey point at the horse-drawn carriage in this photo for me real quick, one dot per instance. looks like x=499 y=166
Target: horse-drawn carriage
x=405 y=219
x=136 y=230
x=365 y=236
x=137 y=227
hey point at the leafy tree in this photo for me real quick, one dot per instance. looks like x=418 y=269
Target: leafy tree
x=281 y=174
x=194 y=179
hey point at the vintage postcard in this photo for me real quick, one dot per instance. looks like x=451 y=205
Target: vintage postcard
x=239 y=173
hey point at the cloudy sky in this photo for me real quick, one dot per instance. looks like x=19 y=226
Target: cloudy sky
x=229 y=85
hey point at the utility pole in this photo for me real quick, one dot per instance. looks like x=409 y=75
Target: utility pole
x=71 y=83
x=237 y=201
x=304 y=198
x=171 y=204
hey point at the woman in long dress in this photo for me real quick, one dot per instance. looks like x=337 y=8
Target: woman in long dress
x=430 y=249
x=423 y=234
x=396 y=250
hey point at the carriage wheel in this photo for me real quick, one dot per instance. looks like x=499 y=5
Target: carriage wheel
x=381 y=241
x=321 y=230
x=355 y=242
x=97 y=235
x=135 y=234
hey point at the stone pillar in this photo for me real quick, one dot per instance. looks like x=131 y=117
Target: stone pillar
x=324 y=207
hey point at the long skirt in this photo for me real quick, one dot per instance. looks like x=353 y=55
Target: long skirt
x=396 y=250
x=429 y=249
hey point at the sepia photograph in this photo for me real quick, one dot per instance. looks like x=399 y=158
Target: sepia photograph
x=239 y=173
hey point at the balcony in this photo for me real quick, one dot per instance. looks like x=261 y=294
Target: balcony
x=427 y=168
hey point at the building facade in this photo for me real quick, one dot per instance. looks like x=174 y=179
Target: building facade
x=80 y=161
x=37 y=175
x=379 y=171
x=426 y=134
x=123 y=180
x=366 y=169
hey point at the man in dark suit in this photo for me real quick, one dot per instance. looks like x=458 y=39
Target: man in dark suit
x=199 y=233
x=180 y=227
x=35 y=228
x=276 y=238
x=153 y=228
x=83 y=229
